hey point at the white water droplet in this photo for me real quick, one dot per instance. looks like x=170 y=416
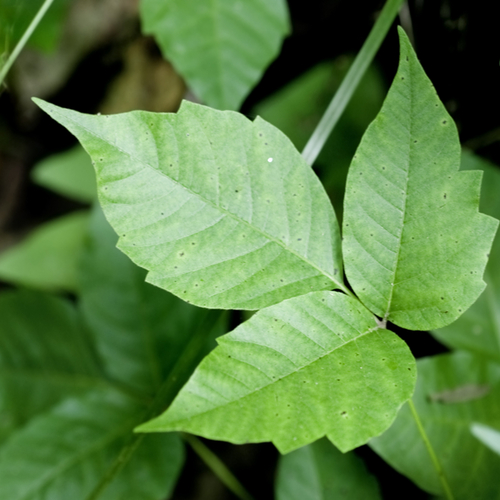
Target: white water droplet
x=269 y=160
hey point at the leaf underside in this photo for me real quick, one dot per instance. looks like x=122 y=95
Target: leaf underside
x=310 y=366
x=222 y=211
x=220 y=47
x=415 y=246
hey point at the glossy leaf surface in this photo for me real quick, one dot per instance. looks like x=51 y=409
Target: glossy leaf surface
x=310 y=366
x=64 y=453
x=453 y=391
x=415 y=246
x=478 y=330
x=222 y=211
x=319 y=471
x=221 y=47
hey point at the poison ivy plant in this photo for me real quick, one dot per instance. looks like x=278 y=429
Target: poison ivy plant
x=319 y=471
x=220 y=47
x=224 y=213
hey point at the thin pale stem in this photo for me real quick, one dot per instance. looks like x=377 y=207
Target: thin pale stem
x=351 y=80
x=430 y=449
x=20 y=45
x=218 y=467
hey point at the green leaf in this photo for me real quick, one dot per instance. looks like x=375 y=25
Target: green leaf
x=48 y=257
x=221 y=47
x=64 y=453
x=453 y=391
x=488 y=436
x=297 y=108
x=320 y=472
x=415 y=246
x=309 y=366
x=140 y=330
x=478 y=330
x=69 y=173
x=16 y=17
x=223 y=212
x=45 y=355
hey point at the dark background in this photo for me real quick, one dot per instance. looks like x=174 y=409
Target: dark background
x=457 y=44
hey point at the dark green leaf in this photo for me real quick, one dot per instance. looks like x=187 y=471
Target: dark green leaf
x=453 y=391
x=64 y=453
x=319 y=471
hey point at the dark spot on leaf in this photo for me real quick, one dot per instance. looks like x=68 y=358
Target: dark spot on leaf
x=181 y=254
x=299 y=239
x=281 y=281
x=442 y=298
x=444 y=122
x=407 y=58
x=193 y=243
x=444 y=196
x=344 y=413
x=236 y=191
x=402 y=78
x=275 y=319
x=415 y=141
x=335 y=271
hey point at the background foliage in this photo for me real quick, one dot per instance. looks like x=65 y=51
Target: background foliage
x=91 y=56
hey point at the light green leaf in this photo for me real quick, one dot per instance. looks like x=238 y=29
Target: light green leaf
x=140 y=330
x=221 y=47
x=470 y=468
x=478 y=330
x=64 y=453
x=45 y=355
x=297 y=108
x=222 y=211
x=48 y=257
x=69 y=173
x=319 y=471
x=488 y=436
x=309 y=366
x=415 y=246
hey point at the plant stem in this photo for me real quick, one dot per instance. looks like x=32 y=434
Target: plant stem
x=430 y=449
x=20 y=45
x=166 y=394
x=217 y=466
x=351 y=81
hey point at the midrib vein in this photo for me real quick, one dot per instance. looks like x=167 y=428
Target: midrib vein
x=209 y=202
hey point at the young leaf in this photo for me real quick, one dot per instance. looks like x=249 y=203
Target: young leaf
x=415 y=246
x=222 y=211
x=48 y=257
x=140 y=330
x=478 y=330
x=220 y=47
x=450 y=396
x=309 y=366
x=63 y=454
x=318 y=471
x=44 y=355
